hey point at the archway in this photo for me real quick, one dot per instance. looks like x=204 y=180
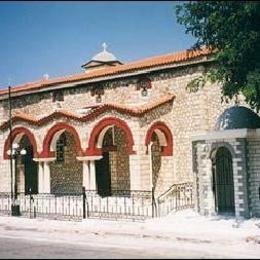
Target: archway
x=98 y=132
x=26 y=169
x=17 y=134
x=65 y=171
x=113 y=171
x=49 y=143
x=159 y=143
x=156 y=158
x=164 y=135
x=223 y=183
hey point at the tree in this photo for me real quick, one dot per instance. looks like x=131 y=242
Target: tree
x=233 y=29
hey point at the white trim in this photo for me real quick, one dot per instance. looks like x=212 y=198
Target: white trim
x=227 y=134
x=44 y=159
x=89 y=158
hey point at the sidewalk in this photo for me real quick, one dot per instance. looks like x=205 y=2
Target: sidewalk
x=186 y=227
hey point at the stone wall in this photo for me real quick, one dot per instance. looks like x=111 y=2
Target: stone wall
x=203 y=152
x=120 y=162
x=253 y=158
x=191 y=112
x=67 y=176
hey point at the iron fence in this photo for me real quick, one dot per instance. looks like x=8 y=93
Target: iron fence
x=135 y=205
x=120 y=204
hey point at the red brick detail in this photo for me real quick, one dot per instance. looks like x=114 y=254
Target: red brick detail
x=15 y=132
x=93 y=150
x=97 y=110
x=167 y=150
x=48 y=138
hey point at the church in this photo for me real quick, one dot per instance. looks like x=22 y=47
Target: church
x=133 y=127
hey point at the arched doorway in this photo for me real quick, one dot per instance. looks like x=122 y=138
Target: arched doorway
x=159 y=143
x=223 y=183
x=27 y=168
x=156 y=154
x=112 y=171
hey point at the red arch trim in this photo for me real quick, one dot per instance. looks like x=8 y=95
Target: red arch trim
x=48 y=138
x=93 y=150
x=167 y=150
x=15 y=132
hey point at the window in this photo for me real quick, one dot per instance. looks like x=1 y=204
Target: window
x=60 y=148
x=58 y=96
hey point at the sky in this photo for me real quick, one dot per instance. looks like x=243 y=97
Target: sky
x=56 y=38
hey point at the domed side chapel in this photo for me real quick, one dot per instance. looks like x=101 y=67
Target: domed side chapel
x=133 y=127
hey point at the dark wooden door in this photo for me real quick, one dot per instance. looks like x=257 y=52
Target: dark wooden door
x=223 y=182
x=31 y=172
x=103 y=176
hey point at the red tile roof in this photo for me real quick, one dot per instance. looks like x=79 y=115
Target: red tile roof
x=116 y=70
x=94 y=112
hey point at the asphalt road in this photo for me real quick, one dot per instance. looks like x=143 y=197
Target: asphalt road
x=18 y=248
x=31 y=249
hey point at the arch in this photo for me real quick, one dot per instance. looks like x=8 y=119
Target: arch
x=215 y=146
x=98 y=133
x=17 y=134
x=53 y=135
x=165 y=137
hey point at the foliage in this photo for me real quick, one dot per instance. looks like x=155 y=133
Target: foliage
x=233 y=29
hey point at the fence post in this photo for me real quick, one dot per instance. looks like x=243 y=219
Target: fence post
x=153 y=203
x=84 y=201
x=31 y=200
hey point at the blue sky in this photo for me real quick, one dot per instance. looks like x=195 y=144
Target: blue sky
x=58 y=37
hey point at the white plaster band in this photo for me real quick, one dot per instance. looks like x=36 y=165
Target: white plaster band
x=44 y=159
x=89 y=158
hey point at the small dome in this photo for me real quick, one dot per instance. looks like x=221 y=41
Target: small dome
x=101 y=60
x=104 y=55
x=238 y=117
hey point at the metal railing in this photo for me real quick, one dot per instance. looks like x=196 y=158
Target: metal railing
x=120 y=204
x=177 y=197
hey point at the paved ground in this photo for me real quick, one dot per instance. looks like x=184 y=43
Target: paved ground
x=31 y=244
x=32 y=248
x=35 y=249
x=182 y=235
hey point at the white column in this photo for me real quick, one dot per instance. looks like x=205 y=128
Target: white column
x=40 y=177
x=150 y=164
x=86 y=175
x=135 y=172
x=92 y=175
x=47 y=180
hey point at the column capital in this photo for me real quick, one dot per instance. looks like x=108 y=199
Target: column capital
x=89 y=158
x=49 y=159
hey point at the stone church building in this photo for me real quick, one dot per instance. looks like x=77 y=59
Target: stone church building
x=134 y=126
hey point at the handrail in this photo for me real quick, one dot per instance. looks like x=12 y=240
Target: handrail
x=171 y=189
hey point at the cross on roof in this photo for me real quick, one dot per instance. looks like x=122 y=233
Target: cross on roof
x=104 y=45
